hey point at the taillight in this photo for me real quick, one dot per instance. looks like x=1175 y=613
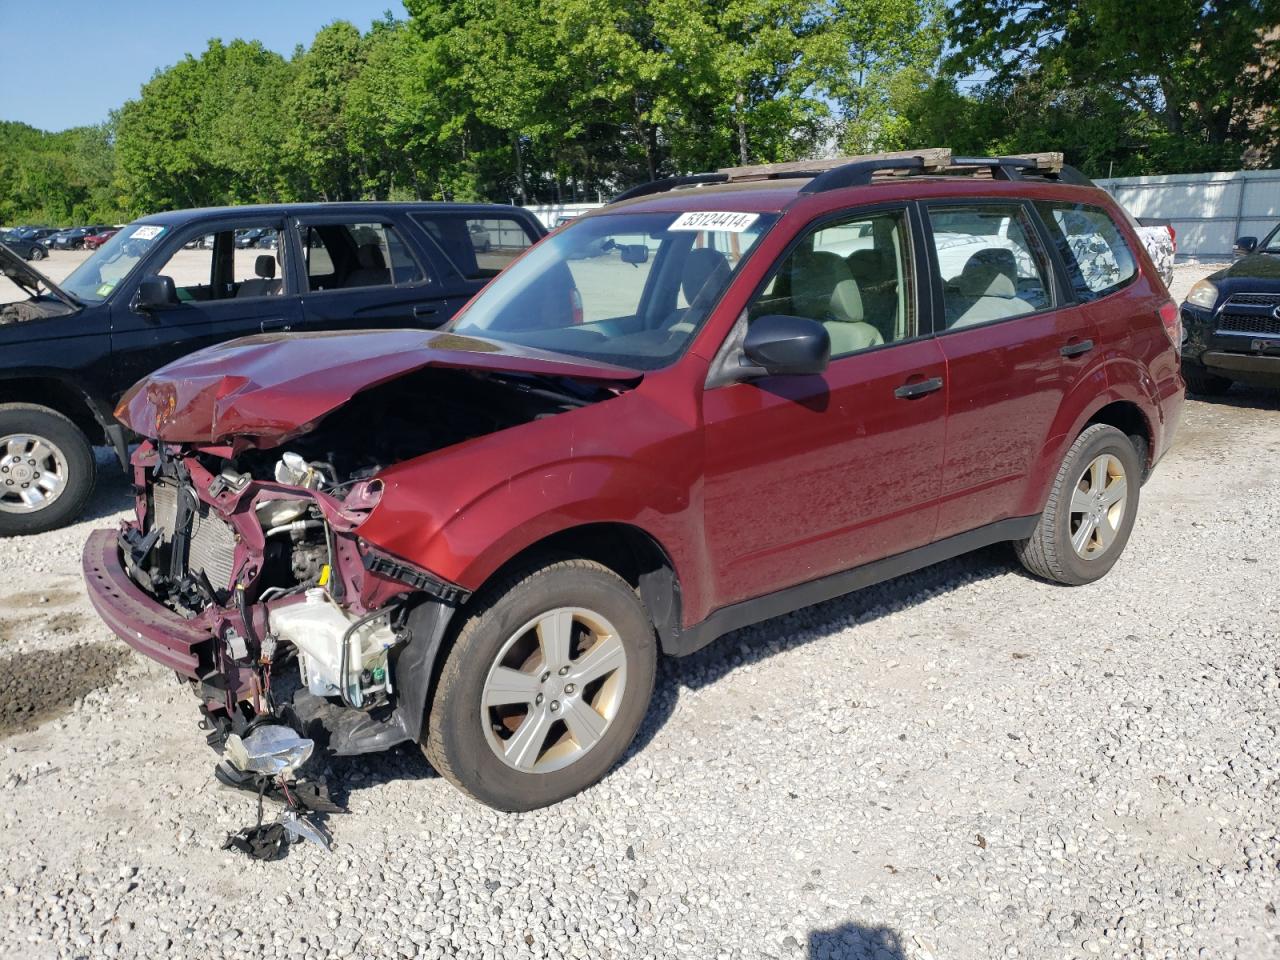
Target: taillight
x=1173 y=237
x=575 y=305
x=1172 y=320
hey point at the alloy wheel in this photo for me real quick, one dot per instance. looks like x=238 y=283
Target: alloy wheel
x=553 y=690
x=33 y=473
x=1098 y=503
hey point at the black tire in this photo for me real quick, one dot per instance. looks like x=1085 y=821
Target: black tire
x=38 y=252
x=1048 y=552
x=1201 y=381
x=32 y=420
x=456 y=743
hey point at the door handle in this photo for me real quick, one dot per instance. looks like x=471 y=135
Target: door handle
x=909 y=391
x=1077 y=348
x=425 y=310
x=279 y=323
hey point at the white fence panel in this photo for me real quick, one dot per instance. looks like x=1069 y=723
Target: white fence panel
x=1208 y=210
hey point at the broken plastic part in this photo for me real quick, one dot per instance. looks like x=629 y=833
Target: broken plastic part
x=300 y=827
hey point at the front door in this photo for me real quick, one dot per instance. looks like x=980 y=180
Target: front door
x=230 y=280
x=808 y=476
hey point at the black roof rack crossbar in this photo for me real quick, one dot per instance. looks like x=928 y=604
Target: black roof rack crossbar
x=670 y=183
x=859 y=173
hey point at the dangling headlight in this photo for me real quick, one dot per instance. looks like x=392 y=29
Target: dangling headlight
x=1204 y=295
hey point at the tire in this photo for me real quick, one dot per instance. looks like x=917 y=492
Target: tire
x=63 y=447
x=1053 y=551
x=463 y=739
x=38 y=252
x=1202 y=382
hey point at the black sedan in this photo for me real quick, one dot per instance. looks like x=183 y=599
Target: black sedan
x=73 y=239
x=26 y=249
x=1231 y=321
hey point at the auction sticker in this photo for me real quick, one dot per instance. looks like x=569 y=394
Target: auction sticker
x=723 y=222
x=146 y=233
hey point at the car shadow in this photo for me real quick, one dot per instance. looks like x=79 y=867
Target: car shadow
x=853 y=941
x=780 y=635
x=112 y=491
x=1244 y=396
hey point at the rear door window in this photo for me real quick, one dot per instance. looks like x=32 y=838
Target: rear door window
x=991 y=263
x=349 y=254
x=1098 y=260
x=478 y=246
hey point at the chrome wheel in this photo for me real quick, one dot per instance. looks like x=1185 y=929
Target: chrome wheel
x=1098 y=504
x=553 y=690
x=33 y=473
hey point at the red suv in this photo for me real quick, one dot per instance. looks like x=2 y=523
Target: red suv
x=716 y=400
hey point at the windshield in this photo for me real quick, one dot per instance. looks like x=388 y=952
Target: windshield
x=1271 y=242
x=93 y=280
x=628 y=288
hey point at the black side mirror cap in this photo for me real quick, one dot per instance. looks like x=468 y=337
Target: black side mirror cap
x=156 y=293
x=783 y=345
x=633 y=253
x=1246 y=245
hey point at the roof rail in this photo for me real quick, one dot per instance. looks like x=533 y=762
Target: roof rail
x=670 y=183
x=839 y=172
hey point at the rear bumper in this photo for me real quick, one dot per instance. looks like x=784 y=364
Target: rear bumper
x=141 y=622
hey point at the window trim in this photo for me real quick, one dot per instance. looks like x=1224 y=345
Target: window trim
x=924 y=314
x=1050 y=263
x=300 y=224
x=1066 y=267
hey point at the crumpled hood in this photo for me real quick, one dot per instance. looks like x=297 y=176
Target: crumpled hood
x=263 y=390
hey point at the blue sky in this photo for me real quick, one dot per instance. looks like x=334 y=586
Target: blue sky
x=48 y=49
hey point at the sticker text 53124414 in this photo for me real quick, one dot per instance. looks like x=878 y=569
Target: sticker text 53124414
x=723 y=221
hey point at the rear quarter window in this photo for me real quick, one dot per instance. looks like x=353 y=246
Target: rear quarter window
x=1098 y=259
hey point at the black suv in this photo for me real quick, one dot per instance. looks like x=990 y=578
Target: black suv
x=145 y=298
x=1231 y=321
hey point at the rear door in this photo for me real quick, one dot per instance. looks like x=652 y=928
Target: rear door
x=476 y=246
x=1015 y=343
x=223 y=293
x=358 y=272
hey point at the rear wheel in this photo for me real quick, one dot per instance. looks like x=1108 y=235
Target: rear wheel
x=47 y=471
x=1089 y=516
x=545 y=686
x=1201 y=381
x=38 y=252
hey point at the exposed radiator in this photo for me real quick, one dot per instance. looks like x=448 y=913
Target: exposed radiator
x=212 y=545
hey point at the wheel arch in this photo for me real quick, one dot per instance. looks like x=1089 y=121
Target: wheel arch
x=59 y=396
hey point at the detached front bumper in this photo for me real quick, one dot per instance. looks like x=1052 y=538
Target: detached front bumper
x=143 y=623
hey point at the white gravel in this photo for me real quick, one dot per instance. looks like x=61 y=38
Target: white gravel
x=963 y=763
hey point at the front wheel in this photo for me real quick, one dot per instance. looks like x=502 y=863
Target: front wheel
x=38 y=252
x=47 y=471
x=545 y=687
x=1090 y=512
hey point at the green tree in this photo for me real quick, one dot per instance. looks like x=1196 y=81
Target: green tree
x=1200 y=78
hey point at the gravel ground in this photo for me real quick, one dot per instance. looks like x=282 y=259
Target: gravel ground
x=962 y=763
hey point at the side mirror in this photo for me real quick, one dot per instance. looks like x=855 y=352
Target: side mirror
x=156 y=293
x=1245 y=245
x=782 y=345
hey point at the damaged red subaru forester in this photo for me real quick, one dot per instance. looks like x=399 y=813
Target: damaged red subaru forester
x=718 y=399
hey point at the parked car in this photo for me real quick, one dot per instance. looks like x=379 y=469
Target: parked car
x=1161 y=240
x=481 y=538
x=74 y=239
x=254 y=237
x=1231 y=320
x=93 y=241
x=141 y=300
x=26 y=249
x=480 y=238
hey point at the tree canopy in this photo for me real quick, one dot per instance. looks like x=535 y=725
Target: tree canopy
x=542 y=100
